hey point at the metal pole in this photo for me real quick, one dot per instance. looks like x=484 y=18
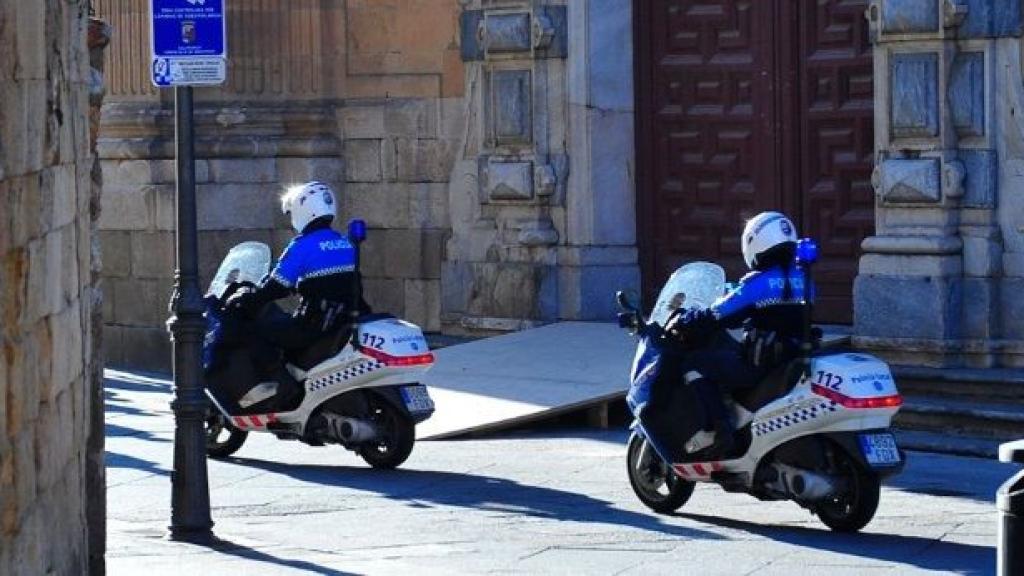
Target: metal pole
x=1010 y=502
x=190 y=496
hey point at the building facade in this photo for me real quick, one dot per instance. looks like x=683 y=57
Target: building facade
x=52 y=487
x=520 y=160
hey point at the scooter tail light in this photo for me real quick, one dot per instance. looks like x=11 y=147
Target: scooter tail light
x=389 y=360
x=845 y=401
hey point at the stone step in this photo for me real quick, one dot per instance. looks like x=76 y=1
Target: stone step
x=961 y=417
x=990 y=385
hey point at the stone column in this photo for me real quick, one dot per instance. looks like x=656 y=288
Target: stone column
x=508 y=192
x=600 y=255
x=542 y=198
x=929 y=285
x=95 y=465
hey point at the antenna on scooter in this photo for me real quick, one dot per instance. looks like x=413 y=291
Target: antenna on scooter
x=806 y=256
x=356 y=236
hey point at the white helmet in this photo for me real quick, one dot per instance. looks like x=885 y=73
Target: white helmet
x=307 y=202
x=764 y=232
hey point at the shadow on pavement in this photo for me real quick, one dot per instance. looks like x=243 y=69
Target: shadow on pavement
x=467 y=490
x=951 y=476
x=115 y=460
x=232 y=549
x=924 y=553
x=113 y=430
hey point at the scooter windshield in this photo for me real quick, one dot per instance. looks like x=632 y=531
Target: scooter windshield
x=246 y=262
x=693 y=285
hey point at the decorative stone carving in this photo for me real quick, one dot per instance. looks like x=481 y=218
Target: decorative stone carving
x=544 y=180
x=537 y=233
x=542 y=33
x=505 y=33
x=953 y=178
x=508 y=180
x=510 y=107
x=967 y=93
x=908 y=16
x=908 y=180
x=914 y=109
x=953 y=13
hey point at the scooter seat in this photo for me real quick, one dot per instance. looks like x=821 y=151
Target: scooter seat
x=777 y=384
x=327 y=346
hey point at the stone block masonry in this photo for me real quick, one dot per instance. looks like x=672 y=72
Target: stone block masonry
x=49 y=486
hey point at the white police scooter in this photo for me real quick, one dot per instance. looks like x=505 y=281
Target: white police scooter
x=815 y=432
x=360 y=385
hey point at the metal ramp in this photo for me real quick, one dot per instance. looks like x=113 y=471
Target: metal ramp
x=507 y=380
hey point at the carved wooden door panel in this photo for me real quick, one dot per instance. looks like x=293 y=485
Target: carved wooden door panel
x=746 y=106
x=836 y=125
x=705 y=112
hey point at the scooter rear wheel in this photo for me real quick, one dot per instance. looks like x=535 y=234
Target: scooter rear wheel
x=397 y=435
x=855 y=506
x=653 y=481
x=222 y=439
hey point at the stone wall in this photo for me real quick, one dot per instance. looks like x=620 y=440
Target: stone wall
x=490 y=150
x=362 y=95
x=47 y=386
x=939 y=282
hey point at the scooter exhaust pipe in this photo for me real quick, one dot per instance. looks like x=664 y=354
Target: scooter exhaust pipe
x=353 y=431
x=350 y=430
x=802 y=484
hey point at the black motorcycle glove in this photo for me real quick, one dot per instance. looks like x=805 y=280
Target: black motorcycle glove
x=250 y=301
x=693 y=327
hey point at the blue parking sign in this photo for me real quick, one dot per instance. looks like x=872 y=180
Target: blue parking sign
x=189 y=42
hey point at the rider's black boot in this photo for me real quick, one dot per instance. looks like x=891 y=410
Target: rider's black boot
x=289 y=390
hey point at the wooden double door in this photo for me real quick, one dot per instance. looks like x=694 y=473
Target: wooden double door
x=752 y=105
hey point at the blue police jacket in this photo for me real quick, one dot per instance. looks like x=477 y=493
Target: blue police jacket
x=313 y=255
x=763 y=298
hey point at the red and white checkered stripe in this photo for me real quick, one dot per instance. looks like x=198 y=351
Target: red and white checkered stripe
x=253 y=422
x=698 y=471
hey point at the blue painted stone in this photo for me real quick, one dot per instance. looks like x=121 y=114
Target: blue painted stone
x=981 y=177
x=469 y=23
x=906 y=180
x=511 y=106
x=991 y=19
x=910 y=16
x=967 y=93
x=907 y=307
x=508 y=33
x=510 y=180
x=914 y=108
x=558 y=17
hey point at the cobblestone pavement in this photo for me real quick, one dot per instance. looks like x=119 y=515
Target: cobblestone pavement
x=544 y=502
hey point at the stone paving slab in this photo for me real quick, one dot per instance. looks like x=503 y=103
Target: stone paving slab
x=554 y=502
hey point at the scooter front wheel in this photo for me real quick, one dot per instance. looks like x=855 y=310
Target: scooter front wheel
x=396 y=436
x=222 y=439
x=653 y=481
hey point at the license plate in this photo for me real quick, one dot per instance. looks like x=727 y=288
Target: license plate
x=880 y=449
x=417 y=399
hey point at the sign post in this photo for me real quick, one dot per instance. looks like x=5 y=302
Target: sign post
x=189 y=48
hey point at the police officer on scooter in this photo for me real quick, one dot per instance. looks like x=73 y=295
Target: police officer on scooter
x=767 y=303
x=319 y=266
